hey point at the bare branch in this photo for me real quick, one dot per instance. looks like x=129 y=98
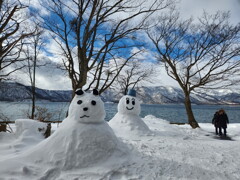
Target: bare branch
x=90 y=33
x=12 y=37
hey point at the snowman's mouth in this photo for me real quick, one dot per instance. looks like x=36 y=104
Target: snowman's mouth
x=130 y=108
x=84 y=116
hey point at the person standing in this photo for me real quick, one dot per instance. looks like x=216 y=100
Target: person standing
x=222 y=122
x=215 y=122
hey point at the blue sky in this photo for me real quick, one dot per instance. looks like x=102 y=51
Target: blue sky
x=187 y=8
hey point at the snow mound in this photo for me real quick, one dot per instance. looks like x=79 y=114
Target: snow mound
x=79 y=146
x=127 y=121
x=83 y=140
x=163 y=128
x=174 y=152
x=26 y=128
x=28 y=133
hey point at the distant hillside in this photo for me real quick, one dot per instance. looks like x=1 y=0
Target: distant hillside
x=173 y=95
x=19 y=92
x=147 y=95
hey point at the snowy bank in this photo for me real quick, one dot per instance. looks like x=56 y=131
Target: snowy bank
x=172 y=152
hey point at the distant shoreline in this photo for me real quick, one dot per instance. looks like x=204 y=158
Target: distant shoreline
x=109 y=102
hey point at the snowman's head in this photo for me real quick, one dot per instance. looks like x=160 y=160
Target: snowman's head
x=86 y=108
x=129 y=105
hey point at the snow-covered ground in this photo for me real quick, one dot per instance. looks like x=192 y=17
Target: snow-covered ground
x=170 y=152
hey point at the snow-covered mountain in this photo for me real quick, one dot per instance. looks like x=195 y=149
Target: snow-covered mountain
x=12 y=91
x=161 y=95
x=147 y=95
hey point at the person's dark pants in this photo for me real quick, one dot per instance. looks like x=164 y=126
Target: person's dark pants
x=216 y=130
x=224 y=131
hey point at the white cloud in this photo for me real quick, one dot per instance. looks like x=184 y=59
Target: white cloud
x=46 y=78
x=36 y=4
x=195 y=8
x=57 y=81
x=161 y=78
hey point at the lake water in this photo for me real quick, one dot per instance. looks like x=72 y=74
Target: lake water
x=172 y=113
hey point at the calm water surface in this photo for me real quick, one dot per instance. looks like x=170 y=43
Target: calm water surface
x=172 y=113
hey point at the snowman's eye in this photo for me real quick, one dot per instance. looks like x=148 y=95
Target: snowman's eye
x=79 y=102
x=93 y=103
x=133 y=102
x=127 y=101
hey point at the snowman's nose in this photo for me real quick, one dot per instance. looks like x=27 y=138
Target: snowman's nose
x=85 y=109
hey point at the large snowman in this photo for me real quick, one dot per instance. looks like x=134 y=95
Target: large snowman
x=127 y=121
x=86 y=139
x=83 y=140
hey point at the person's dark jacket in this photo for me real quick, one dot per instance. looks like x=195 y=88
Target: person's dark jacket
x=223 y=120
x=215 y=119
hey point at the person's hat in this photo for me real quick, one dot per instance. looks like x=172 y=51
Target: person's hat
x=131 y=92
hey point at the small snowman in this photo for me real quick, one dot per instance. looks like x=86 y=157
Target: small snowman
x=84 y=138
x=127 y=121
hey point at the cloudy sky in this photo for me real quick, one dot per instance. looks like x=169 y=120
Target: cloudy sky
x=54 y=79
x=195 y=8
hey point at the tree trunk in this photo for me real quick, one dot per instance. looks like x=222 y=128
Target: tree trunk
x=33 y=102
x=3 y=127
x=125 y=90
x=34 y=81
x=83 y=77
x=79 y=83
x=191 y=120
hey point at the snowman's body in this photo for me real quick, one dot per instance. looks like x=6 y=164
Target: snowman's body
x=127 y=120
x=83 y=139
x=82 y=145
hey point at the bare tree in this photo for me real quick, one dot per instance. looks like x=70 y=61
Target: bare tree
x=105 y=74
x=12 y=36
x=1 y=1
x=32 y=52
x=135 y=73
x=197 y=55
x=90 y=33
